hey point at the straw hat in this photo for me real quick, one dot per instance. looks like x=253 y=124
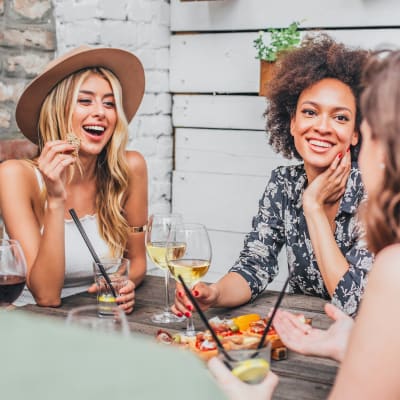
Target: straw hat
x=125 y=66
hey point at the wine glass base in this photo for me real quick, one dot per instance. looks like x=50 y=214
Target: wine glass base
x=189 y=333
x=166 y=317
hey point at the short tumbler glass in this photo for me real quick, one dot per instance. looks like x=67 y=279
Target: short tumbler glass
x=118 y=272
x=250 y=365
x=88 y=317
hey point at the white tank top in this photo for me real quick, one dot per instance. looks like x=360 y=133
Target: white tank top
x=78 y=259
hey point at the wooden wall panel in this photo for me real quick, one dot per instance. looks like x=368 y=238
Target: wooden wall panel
x=219 y=111
x=224 y=152
x=230 y=65
x=221 y=202
x=228 y=15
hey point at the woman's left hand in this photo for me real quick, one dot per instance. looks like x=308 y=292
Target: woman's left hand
x=126 y=298
x=304 y=339
x=330 y=185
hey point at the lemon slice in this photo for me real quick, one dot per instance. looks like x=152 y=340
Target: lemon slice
x=106 y=298
x=251 y=371
x=243 y=321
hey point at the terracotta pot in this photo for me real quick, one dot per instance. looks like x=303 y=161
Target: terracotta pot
x=267 y=69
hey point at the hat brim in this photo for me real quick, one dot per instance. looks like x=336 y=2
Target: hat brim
x=125 y=66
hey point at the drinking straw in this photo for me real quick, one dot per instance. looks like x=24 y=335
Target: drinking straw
x=274 y=310
x=205 y=320
x=91 y=249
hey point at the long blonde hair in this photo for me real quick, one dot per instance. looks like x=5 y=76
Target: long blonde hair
x=380 y=103
x=55 y=122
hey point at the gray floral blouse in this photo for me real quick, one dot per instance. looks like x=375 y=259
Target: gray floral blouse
x=280 y=221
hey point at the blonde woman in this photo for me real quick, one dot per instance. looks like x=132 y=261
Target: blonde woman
x=78 y=111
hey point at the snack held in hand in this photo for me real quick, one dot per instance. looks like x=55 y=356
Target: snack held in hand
x=74 y=141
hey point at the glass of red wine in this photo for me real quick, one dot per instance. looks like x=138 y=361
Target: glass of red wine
x=12 y=271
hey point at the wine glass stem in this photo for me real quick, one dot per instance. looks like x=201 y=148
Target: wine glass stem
x=190 y=327
x=166 y=277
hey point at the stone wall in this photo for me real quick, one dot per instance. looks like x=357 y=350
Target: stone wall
x=32 y=30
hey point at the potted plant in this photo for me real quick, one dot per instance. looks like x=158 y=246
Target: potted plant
x=282 y=40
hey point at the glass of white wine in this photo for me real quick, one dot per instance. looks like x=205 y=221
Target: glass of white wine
x=194 y=262
x=158 y=229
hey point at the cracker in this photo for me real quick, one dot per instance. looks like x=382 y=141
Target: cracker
x=74 y=141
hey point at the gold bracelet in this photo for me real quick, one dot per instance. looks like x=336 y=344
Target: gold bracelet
x=137 y=229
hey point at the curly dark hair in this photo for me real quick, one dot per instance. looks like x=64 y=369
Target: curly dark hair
x=317 y=58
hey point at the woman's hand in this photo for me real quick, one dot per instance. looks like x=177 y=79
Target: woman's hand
x=329 y=186
x=53 y=163
x=125 y=297
x=235 y=389
x=304 y=339
x=206 y=296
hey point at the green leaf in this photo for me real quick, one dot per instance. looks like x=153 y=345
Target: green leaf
x=281 y=40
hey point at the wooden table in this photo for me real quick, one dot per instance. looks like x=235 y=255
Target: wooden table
x=301 y=377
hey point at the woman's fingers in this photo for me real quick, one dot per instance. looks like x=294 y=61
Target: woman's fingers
x=55 y=156
x=182 y=305
x=126 y=298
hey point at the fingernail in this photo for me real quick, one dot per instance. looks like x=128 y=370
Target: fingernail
x=196 y=293
x=180 y=294
x=340 y=155
x=189 y=307
x=180 y=314
x=188 y=314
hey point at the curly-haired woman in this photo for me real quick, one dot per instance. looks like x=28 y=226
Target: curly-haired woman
x=313 y=115
x=89 y=94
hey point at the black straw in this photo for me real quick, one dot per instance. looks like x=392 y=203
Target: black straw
x=205 y=320
x=91 y=249
x=274 y=310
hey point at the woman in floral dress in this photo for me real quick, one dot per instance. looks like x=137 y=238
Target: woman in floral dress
x=311 y=208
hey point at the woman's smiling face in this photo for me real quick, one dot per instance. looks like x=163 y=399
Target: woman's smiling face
x=324 y=123
x=94 y=116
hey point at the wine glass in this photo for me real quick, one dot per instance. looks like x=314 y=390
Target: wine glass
x=192 y=264
x=12 y=271
x=157 y=232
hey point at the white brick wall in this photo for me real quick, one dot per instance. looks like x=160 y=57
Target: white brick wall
x=140 y=26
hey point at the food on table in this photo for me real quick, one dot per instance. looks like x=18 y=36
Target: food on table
x=243 y=321
x=243 y=332
x=75 y=141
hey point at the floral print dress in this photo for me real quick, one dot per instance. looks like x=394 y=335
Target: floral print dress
x=280 y=221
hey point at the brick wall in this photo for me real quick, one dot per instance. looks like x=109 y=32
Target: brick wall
x=27 y=43
x=32 y=30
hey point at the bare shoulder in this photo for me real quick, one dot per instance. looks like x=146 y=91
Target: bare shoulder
x=386 y=262
x=16 y=171
x=136 y=163
x=384 y=277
